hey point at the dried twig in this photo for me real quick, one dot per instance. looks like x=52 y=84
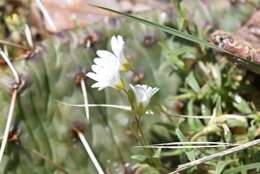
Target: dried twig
x=193 y=143
x=90 y=152
x=7 y=60
x=85 y=96
x=122 y=107
x=12 y=105
x=216 y=155
x=126 y=108
x=182 y=147
x=4 y=42
x=28 y=36
x=8 y=124
x=186 y=145
x=46 y=15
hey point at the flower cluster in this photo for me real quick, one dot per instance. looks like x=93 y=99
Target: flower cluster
x=106 y=72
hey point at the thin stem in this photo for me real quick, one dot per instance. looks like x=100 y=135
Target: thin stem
x=227 y=116
x=184 y=147
x=7 y=60
x=122 y=107
x=46 y=15
x=28 y=35
x=86 y=106
x=11 y=44
x=184 y=116
x=8 y=124
x=137 y=129
x=126 y=108
x=139 y=134
x=110 y=131
x=216 y=155
x=49 y=161
x=12 y=105
x=193 y=143
x=90 y=153
x=140 y=129
x=85 y=96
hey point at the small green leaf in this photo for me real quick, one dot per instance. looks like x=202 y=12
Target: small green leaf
x=192 y=82
x=241 y=104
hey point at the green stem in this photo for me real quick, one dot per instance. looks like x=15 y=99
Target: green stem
x=139 y=134
x=110 y=131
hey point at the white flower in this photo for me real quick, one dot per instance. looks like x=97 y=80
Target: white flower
x=106 y=71
x=117 y=45
x=143 y=93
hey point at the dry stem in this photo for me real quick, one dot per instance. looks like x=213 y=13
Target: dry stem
x=216 y=155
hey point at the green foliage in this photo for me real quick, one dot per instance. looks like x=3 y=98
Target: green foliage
x=192 y=80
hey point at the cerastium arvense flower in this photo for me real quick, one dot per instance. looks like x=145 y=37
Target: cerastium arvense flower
x=142 y=95
x=107 y=70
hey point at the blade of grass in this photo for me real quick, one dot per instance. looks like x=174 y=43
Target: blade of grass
x=162 y=28
x=252 y=65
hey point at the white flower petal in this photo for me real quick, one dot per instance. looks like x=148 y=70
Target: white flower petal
x=105 y=54
x=117 y=45
x=106 y=68
x=100 y=85
x=106 y=71
x=92 y=76
x=143 y=93
x=97 y=68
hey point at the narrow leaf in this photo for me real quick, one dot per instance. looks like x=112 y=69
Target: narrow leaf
x=250 y=65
